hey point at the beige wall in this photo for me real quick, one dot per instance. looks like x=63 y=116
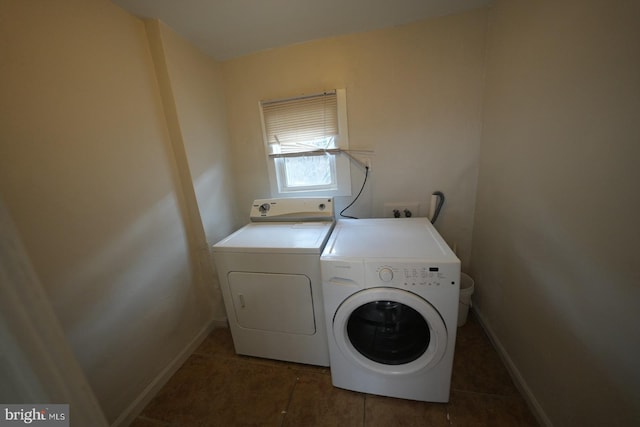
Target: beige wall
x=413 y=96
x=192 y=92
x=198 y=89
x=555 y=253
x=89 y=177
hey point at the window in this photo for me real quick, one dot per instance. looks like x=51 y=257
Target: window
x=303 y=137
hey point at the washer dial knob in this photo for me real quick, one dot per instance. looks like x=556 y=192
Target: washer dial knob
x=385 y=274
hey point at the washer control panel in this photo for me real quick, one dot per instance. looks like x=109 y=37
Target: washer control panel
x=412 y=275
x=385 y=274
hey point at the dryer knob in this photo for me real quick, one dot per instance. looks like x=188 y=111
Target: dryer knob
x=264 y=208
x=385 y=274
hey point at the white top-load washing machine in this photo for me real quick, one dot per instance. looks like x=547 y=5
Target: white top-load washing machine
x=391 y=288
x=269 y=274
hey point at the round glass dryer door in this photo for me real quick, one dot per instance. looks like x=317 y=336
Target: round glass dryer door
x=390 y=330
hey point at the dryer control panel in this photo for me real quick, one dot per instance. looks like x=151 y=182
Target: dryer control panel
x=293 y=209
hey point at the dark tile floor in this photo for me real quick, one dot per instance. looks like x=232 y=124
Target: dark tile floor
x=216 y=387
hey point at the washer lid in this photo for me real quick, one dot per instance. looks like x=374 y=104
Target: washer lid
x=278 y=237
x=387 y=238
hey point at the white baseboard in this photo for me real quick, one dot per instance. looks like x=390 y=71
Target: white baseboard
x=163 y=377
x=517 y=377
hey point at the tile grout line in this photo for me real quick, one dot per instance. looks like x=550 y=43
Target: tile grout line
x=364 y=411
x=285 y=412
x=482 y=393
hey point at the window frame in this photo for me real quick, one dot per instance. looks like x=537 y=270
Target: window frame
x=341 y=170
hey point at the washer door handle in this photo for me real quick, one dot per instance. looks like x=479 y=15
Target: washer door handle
x=342 y=282
x=241 y=298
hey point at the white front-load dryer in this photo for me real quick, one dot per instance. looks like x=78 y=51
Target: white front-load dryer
x=390 y=289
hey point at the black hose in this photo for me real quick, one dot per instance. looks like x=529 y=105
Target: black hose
x=440 y=196
x=366 y=174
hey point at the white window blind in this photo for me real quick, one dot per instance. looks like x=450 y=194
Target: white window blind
x=301 y=124
x=304 y=138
